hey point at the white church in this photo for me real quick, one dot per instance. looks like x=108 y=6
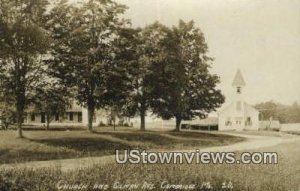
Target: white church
x=238 y=115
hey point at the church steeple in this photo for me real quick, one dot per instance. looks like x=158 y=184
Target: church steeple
x=238 y=81
x=238 y=115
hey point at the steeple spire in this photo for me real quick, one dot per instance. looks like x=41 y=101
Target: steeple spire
x=238 y=80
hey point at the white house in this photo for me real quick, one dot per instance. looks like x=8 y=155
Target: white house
x=75 y=115
x=238 y=115
x=72 y=116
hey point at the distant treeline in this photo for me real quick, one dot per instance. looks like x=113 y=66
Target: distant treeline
x=281 y=112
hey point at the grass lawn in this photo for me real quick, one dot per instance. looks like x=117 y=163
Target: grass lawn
x=284 y=176
x=63 y=144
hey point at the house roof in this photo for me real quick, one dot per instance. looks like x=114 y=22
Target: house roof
x=238 y=80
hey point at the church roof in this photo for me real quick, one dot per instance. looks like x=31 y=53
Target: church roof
x=238 y=79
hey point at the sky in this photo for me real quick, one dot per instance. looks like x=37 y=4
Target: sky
x=259 y=37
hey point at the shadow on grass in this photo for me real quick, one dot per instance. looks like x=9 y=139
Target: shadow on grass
x=173 y=139
x=61 y=148
x=151 y=140
x=143 y=137
x=24 y=155
x=89 y=146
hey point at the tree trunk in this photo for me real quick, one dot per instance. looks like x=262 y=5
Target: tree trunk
x=178 y=122
x=113 y=117
x=19 y=131
x=47 y=121
x=143 y=114
x=20 y=111
x=20 y=99
x=114 y=121
x=91 y=111
x=19 y=124
x=6 y=126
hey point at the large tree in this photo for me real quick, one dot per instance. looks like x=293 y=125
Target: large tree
x=120 y=75
x=23 y=44
x=86 y=37
x=187 y=88
x=267 y=110
x=151 y=44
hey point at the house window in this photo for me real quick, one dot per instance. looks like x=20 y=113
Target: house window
x=79 y=117
x=238 y=106
x=71 y=117
x=43 y=117
x=32 y=117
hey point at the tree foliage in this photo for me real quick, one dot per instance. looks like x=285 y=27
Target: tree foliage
x=284 y=113
x=185 y=87
x=85 y=52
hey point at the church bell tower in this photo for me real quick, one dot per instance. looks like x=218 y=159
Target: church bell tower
x=238 y=82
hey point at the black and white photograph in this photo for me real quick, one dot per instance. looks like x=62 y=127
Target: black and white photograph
x=147 y=95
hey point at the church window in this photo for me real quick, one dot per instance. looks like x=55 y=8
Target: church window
x=71 y=116
x=248 y=121
x=228 y=122
x=239 y=90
